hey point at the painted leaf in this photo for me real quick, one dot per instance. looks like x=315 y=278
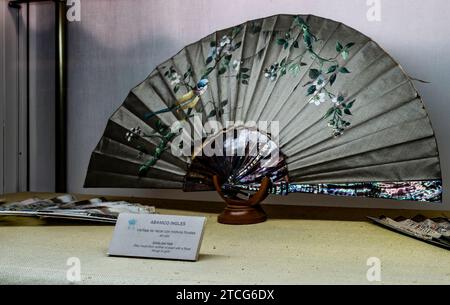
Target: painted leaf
x=349 y=45
x=332 y=69
x=281 y=41
x=329 y=113
x=333 y=79
x=312 y=89
x=314 y=73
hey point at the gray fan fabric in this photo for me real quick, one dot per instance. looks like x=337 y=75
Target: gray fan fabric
x=390 y=138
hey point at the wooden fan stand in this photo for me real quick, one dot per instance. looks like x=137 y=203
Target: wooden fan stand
x=243 y=212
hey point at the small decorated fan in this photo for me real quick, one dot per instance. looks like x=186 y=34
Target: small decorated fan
x=278 y=105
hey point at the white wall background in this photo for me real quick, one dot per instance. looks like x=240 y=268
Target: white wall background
x=13 y=107
x=42 y=96
x=118 y=43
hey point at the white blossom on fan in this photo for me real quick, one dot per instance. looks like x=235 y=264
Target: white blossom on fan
x=236 y=65
x=134 y=132
x=272 y=72
x=318 y=98
x=225 y=45
x=213 y=53
x=225 y=41
x=175 y=79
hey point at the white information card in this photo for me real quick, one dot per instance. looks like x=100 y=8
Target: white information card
x=158 y=236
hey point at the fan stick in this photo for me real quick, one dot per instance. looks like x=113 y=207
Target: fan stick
x=243 y=212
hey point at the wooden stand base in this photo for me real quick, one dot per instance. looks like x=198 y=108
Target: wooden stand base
x=241 y=215
x=243 y=212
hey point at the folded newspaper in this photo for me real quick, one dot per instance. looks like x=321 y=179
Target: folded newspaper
x=68 y=207
x=434 y=231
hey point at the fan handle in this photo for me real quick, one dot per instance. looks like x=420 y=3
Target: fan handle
x=243 y=212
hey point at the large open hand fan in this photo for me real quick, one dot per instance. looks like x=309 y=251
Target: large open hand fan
x=286 y=104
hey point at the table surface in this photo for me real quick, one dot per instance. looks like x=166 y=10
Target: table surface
x=280 y=251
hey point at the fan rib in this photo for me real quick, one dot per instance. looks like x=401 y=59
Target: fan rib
x=234 y=94
x=114 y=164
x=114 y=180
x=261 y=103
x=111 y=147
x=387 y=150
x=113 y=132
x=198 y=61
x=256 y=73
x=126 y=124
x=418 y=165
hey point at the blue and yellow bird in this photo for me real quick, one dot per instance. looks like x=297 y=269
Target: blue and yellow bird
x=186 y=102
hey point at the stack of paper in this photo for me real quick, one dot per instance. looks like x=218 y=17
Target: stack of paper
x=68 y=207
x=434 y=231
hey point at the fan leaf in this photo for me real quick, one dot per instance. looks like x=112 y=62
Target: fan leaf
x=314 y=74
x=312 y=89
x=281 y=41
x=333 y=79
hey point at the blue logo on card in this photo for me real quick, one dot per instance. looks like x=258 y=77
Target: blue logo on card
x=132 y=224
